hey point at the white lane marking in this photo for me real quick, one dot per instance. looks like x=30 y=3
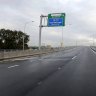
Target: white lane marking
x=13 y=66
x=74 y=57
x=93 y=51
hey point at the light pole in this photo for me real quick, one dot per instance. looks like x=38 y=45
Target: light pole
x=93 y=40
x=23 y=34
x=62 y=39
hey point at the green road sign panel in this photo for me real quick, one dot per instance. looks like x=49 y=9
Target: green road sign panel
x=56 y=19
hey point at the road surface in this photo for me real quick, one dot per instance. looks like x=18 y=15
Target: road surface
x=66 y=73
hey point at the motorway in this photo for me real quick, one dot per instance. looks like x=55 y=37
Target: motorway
x=65 y=73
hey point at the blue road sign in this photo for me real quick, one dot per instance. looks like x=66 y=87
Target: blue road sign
x=55 y=22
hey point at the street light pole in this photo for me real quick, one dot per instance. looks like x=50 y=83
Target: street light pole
x=40 y=29
x=62 y=42
x=93 y=39
x=24 y=33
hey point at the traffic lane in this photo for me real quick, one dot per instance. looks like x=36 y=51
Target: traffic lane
x=77 y=78
x=28 y=75
x=18 y=81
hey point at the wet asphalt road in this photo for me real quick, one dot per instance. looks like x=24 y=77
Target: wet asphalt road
x=66 y=73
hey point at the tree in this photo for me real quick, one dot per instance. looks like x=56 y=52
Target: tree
x=13 y=39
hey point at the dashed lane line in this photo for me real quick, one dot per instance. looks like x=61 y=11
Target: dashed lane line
x=93 y=51
x=74 y=57
x=13 y=66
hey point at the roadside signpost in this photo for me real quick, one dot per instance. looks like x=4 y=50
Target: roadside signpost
x=53 y=20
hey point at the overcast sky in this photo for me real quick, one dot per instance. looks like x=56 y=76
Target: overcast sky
x=80 y=20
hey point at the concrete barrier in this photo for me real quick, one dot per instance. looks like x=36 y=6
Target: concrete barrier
x=16 y=54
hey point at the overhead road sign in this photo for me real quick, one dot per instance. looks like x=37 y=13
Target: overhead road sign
x=53 y=20
x=56 y=19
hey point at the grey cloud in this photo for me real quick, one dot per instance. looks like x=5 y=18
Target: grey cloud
x=80 y=18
